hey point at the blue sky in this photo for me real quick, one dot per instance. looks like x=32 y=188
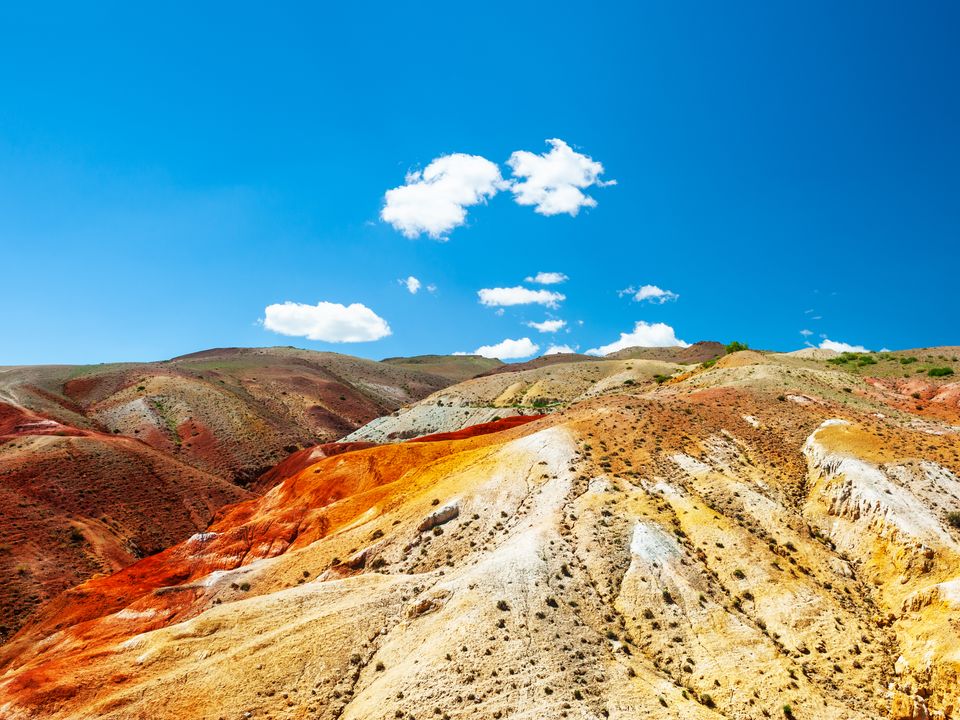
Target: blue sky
x=168 y=174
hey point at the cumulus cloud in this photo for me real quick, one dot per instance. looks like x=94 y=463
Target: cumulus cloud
x=412 y=284
x=557 y=349
x=505 y=297
x=434 y=200
x=330 y=322
x=828 y=344
x=508 y=349
x=548 y=278
x=644 y=334
x=650 y=293
x=548 y=326
x=553 y=182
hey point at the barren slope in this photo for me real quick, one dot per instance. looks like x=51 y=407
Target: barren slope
x=765 y=538
x=75 y=503
x=455 y=368
x=234 y=412
x=101 y=465
x=537 y=388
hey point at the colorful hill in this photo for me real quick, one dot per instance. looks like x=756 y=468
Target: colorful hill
x=771 y=536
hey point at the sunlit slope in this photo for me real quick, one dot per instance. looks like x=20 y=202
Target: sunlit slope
x=766 y=537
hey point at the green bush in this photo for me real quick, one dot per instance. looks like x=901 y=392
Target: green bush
x=736 y=346
x=940 y=372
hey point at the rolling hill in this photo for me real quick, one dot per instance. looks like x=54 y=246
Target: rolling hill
x=771 y=536
x=102 y=465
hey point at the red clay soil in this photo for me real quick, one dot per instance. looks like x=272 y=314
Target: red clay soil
x=315 y=502
x=75 y=503
x=480 y=429
x=919 y=396
x=17 y=422
x=302 y=459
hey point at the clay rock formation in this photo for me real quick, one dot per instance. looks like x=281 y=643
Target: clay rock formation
x=699 y=545
x=102 y=465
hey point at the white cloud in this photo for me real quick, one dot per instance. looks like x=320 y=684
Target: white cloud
x=644 y=335
x=806 y=333
x=557 y=349
x=554 y=179
x=330 y=322
x=548 y=326
x=412 y=284
x=497 y=297
x=548 y=278
x=829 y=344
x=508 y=349
x=433 y=200
x=650 y=293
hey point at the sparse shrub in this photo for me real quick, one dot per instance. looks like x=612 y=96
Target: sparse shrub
x=739 y=574
x=503 y=605
x=940 y=372
x=667 y=597
x=787 y=711
x=953 y=519
x=736 y=346
x=245 y=586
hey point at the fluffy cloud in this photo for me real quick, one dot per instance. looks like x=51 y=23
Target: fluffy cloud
x=508 y=349
x=548 y=326
x=505 y=297
x=828 y=344
x=412 y=284
x=806 y=333
x=330 y=322
x=553 y=181
x=644 y=335
x=548 y=278
x=557 y=349
x=650 y=293
x=433 y=200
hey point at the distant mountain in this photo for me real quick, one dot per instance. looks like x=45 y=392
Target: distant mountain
x=697 y=353
x=233 y=412
x=539 y=362
x=453 y=367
